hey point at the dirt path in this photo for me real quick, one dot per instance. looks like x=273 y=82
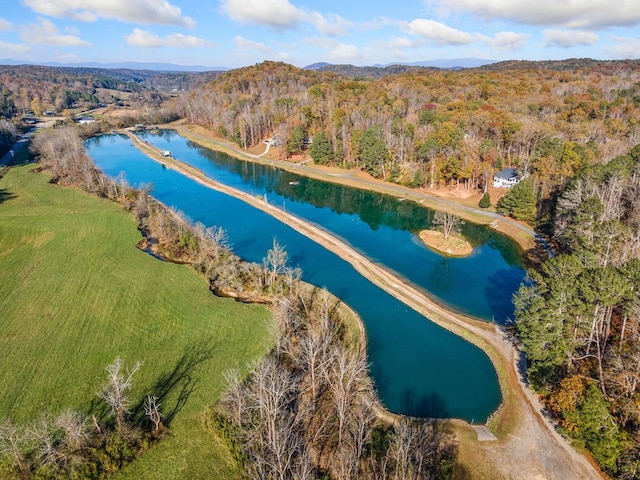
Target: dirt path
x=528 y=446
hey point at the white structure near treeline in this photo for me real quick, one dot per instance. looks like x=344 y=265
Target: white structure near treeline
x=506 y=178
x=86 y=119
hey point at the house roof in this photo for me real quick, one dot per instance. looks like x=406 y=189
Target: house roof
x=506 y=173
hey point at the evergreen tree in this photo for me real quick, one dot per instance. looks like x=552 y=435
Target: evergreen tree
x=519 y=202
x=485 y=201
x=296 y=143
x=321 y=149
x=374 y=153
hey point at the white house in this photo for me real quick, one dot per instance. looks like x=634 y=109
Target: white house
x=505 y=178
x=86 y=119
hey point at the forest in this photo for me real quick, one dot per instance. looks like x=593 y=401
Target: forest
x=429 y=128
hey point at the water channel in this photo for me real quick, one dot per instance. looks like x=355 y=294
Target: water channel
x=419 y=368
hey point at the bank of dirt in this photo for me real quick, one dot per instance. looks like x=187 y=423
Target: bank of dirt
x=528 y=447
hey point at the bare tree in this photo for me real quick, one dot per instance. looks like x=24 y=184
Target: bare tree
x=347 y=377
x=275 y=262
x=447 y=222
x=152 y=410
x=13 y=442
x=401 y=447
x=116 y=392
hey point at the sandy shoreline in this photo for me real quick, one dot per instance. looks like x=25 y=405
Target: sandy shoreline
x=517 y=399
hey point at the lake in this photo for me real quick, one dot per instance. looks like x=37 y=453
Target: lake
x=418 y=367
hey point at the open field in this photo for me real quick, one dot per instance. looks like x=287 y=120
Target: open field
x=75 y=293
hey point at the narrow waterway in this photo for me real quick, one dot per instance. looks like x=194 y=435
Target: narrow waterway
x=381 y=227
x=418 y=367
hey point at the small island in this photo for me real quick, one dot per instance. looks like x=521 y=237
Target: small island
x=453 y=245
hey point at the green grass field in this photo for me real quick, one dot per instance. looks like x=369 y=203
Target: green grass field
x=75 y=293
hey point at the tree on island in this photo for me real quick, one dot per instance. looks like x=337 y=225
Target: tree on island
x=446 y=222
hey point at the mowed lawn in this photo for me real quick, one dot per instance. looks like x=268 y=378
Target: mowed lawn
x=75 y=293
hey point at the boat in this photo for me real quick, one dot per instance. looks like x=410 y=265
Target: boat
x=294 y=183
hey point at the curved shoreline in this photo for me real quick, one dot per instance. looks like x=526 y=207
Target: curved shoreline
x=516 y=398
x=523 y=235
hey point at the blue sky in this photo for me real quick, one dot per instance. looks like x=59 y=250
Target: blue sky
x=235 y=33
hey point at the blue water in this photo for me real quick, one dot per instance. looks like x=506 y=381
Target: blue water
x=382 y=227
x=418 y=367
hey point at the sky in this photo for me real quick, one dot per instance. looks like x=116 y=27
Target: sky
x=236 y=33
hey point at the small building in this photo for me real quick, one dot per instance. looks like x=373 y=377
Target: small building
x=85 y=120
x=505 y=178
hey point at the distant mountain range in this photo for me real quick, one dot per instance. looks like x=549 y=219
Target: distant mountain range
x=448 y=63
x=154 y=66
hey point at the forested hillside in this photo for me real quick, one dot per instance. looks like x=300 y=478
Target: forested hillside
x=428 y=127
x=578 y=317
x=34 y=88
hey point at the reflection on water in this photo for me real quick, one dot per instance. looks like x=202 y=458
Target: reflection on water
x=380 y=226
x=418 y=368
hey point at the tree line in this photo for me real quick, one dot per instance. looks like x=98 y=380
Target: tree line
x=431 y=128
x=93 y=445
x=578 y=315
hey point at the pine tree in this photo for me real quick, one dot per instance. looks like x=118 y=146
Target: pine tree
x=485 y=201
x=519 y=202
x=321 y=149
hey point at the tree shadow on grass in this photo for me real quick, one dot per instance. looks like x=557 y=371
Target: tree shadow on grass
x=5 y=195
x=171 y=389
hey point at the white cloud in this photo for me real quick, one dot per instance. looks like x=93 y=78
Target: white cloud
x=334 y=51
x=145 y=39
x=4 y=25
x=624 y=47
x=509 y=41
x=45 y=32
x=277 y=14
x=592 y=14
x=400 y=43
x=344 y=53
x=332 y=25
x=246 y=44
x=282 y=15
x=569 y=38
x=135 y=11
x=437 y=32
x=10 y=49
